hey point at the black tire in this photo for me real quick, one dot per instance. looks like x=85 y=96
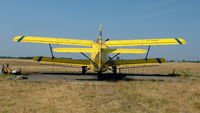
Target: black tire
x=100 y=76
x=84 y=69
x=114 y=69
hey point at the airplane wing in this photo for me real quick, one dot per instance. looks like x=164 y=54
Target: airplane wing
x=90 y=50
x=144 y=42
x=139 y=61
x=62 y=61
x=125 y=50
x=74 y=50
x=53 y=40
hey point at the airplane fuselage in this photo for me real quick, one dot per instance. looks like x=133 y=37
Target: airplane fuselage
x=99 y=57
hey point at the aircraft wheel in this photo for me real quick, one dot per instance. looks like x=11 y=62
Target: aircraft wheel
x=114 y=69
x=100 y=76
x=84 y=68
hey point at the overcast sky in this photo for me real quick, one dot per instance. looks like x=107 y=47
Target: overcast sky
x=121 y=20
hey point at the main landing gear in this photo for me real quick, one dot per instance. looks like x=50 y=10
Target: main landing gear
x=100 y=76
x=114 y=70
x=84 y=69
x=113 y=76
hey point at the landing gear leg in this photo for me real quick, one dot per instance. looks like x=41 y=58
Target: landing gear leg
x=84 y=69
x=114 y=69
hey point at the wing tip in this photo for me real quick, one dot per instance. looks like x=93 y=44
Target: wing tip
x=161 y=60
x=180 y=41
x=18 y=38
x=38 y=58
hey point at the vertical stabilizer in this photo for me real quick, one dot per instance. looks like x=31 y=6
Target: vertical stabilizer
x=100 y=34
x=100 y=30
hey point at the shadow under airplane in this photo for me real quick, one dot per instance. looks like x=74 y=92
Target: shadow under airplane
x=109 y=76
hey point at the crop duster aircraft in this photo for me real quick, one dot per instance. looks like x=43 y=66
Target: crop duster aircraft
x=100 y=61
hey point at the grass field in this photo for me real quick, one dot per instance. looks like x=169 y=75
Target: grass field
x=100 y=97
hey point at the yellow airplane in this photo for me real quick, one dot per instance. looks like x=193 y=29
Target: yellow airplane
x=100 y=61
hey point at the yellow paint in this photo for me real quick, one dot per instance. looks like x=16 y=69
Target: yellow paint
x=54 y=41
x=62 y=61
x=100 y=58
x=139 y=61
x=74 y=50
x=144 y=42
x=125 y=50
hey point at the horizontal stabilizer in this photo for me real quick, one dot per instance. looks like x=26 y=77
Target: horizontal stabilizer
x=74 y=50
x=139 y=61
x=53 y=40
x=125 y=50
x=62 y=61
x=144 y=42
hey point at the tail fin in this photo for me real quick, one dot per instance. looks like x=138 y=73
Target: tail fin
x=100 y=34
x=100 y=30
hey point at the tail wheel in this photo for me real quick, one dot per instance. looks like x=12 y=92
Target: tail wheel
x=84 y=69
x=99 y=76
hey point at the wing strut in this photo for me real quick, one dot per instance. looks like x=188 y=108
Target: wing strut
x=147 y=52
x=93 y=63
x=51 y=51
x=115 y=56
x=110 y=59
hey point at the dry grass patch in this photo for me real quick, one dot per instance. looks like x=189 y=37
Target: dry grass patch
x=100 y=97
x=183 y=68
